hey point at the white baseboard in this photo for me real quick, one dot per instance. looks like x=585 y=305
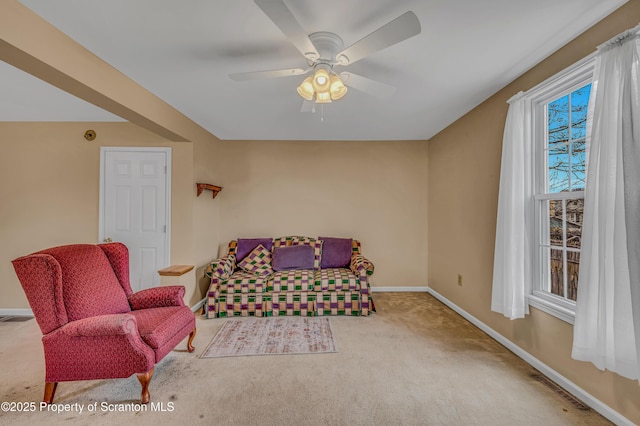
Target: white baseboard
x=399 y=289
x=565 y=383
x=26 y=312
x=198 y=305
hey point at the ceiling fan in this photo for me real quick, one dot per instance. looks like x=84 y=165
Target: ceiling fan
x=324 y=50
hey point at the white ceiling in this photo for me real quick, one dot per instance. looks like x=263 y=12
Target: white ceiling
x=183 y=52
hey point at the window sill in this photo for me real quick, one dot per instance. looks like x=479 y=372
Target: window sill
x=551 y=308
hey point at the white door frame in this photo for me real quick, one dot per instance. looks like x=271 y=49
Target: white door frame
x=103 y=156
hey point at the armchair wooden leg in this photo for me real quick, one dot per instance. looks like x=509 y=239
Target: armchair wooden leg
x=190 y=347
x=49 y=392
x=145 y=379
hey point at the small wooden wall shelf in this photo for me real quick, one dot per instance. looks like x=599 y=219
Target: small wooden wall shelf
x=175 y=270
x=213 y=188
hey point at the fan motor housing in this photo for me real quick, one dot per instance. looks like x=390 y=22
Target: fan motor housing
x=328 y=45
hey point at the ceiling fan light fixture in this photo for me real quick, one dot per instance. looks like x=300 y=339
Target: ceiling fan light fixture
x=337 y=88
x=321 y=80
x=323 y=97
x=306 y=89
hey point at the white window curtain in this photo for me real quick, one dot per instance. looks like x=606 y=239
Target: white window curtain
x=607 y=322
x=513 y=257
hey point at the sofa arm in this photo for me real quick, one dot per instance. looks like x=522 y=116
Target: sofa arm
x=157 y=297
x=101 y=325
x=221 y=269
x=361 y=265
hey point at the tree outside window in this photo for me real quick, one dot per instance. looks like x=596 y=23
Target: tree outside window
x=565 y=176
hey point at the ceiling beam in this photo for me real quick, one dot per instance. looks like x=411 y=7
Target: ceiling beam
x=31 y=44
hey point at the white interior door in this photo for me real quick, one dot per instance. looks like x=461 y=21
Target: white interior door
x=135 y=200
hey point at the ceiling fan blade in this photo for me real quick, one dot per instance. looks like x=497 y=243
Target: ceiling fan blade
x=400 y=29
x=259 y=75
x=280 y=14
x=366 y=85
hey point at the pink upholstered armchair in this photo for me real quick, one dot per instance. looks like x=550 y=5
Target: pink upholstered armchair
x=93 y=325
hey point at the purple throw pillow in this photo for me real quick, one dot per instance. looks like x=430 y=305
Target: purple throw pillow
x=246 y=246
x=292 y=257
x=336 y=252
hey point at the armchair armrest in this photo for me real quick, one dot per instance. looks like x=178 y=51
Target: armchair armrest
x=221 y=269
x=101 y=325
x=361 y=265
x=96 y=347
x=157 y=297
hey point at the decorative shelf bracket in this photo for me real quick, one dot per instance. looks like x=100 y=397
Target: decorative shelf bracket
x=213 y=188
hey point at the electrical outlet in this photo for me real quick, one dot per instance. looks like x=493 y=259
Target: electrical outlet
x=460 y=280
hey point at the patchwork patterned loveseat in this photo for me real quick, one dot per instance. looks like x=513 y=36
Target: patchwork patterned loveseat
x=290 y=276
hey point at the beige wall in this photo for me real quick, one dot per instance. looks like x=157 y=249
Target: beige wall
x=49 y=187
x=375 y=192
x=206 y=223
x=464 y=168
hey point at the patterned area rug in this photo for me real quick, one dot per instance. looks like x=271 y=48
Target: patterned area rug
x=272 y=336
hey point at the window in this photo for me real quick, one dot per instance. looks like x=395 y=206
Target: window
x=560 y=125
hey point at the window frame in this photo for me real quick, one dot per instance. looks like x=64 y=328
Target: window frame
x=566 y=81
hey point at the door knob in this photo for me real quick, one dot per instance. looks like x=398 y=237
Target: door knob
x=107 y=240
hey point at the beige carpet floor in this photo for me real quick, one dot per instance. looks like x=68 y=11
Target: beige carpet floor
x=414 y=362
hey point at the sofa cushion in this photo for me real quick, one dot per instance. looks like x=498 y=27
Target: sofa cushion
x=294 y=257
x=336 y=252
x=245 y=282
x=302 y=241
x=257 y=262
x=336 y=279
x=246 y=245
x=291 y=280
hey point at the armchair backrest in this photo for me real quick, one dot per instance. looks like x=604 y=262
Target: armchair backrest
x=118 y=255
x=69 y=283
